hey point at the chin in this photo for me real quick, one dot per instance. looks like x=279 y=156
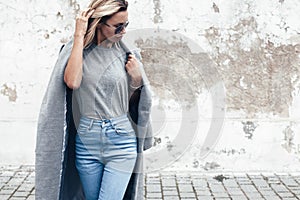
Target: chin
x=115 y=38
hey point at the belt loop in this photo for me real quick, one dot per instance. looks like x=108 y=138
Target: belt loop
x=91 y=124
x=113 y=124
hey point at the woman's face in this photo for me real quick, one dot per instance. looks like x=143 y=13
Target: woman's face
x=117 y=23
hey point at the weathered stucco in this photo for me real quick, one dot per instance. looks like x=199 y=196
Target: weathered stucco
x=259 y=76
x=250 y=47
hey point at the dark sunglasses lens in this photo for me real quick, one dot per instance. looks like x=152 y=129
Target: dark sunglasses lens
x=121 y=27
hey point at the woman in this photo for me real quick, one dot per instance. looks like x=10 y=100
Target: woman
x=112 y=94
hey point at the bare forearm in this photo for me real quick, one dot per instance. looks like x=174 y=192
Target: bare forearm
x=73 y=71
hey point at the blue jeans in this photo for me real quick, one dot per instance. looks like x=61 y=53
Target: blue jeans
x=106 y=152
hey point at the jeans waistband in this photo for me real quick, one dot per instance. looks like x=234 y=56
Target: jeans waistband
x=101 y=122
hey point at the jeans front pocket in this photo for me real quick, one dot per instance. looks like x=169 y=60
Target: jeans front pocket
x=82 y=129
x=124 y=128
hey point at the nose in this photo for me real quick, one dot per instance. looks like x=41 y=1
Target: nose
x=123 y=31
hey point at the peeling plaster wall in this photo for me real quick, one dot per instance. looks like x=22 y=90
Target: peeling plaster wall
x=254 y=47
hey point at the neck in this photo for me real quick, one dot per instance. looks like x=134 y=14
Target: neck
x=103 y=41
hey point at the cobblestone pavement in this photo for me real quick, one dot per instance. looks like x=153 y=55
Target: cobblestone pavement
x=17 y=182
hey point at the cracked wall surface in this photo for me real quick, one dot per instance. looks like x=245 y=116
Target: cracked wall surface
x=259 y=76
x=253 y=47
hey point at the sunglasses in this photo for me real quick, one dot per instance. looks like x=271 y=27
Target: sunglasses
x=119 y=28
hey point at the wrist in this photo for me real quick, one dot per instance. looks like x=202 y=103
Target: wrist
x=134 y=87
x=79 y=36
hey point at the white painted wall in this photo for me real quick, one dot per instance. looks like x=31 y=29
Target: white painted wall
x=32 y=33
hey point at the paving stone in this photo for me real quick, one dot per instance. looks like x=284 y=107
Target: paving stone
x=171 y=198
x=249 y=188
x=285 y=195
x=4 y=196
x=17 y=182
x=183 y=180
x=185 y=188
x=253 y=195
x=152 y=181
x=169 y=182
x=170 y=192
x=205 y=197
x=199 y=182
x=217 y=189
x=187 y=198
x=203 y=192
x=255 y=176
x=187 y=195
x=31 y=197
x=230 y=183
x=235 y=191
x=21 y=194
x=268 y=193
x=240 y=197
x=153 y=188
x=296 y=192
x=26 y=187
x=7 y=191
x=280 y=188
x=272 y=198
x=154 y=195
x=261 y=184
x=289 y=182
x=219 y=195
x=256 y=198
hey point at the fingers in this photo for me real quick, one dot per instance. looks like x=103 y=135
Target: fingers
x=131 y=58
x=87 y=13
x=131 y=64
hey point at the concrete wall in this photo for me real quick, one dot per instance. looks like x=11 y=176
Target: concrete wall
x=225 y=78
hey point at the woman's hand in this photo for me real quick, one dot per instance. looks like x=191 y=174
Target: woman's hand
x=132 y=67
x=82 y=22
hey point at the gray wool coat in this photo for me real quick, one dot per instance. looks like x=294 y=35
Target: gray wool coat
x=56 y=176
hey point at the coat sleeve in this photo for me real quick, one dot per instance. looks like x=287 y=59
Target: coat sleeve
x=144 y=106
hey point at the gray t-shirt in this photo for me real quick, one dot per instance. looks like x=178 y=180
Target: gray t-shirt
x=103 y=92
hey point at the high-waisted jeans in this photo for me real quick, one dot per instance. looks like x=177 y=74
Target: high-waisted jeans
x=106 y=152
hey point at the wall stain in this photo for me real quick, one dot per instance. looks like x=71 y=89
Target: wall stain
x=59 y=15
x=9 y=91
x=230 y=152
x=74 y=5
x=157 y=141
x=220 y=177
x=216 y=8
x=172 y=71
x=259 y=76
x=157 y=12
x=210 y=165
x=196 y=163
x=288 y=138
x=249 y=128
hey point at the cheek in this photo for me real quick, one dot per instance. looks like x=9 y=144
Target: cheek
x=108 y=33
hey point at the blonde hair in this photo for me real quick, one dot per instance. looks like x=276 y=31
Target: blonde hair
x=104 y=9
